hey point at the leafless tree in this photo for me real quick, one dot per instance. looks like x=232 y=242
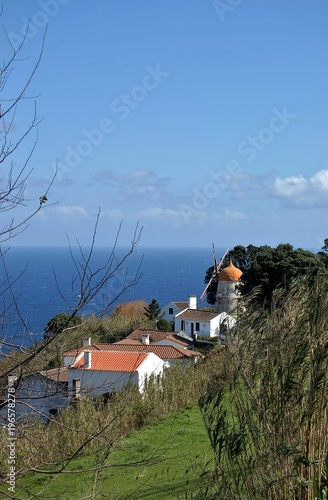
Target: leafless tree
x=14 y=176
x=88 y=283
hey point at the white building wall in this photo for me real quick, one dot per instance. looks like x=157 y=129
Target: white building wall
x=206 y=329
x=152 y=366
x=97 y=382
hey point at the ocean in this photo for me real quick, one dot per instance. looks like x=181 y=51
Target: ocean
x=44 y=283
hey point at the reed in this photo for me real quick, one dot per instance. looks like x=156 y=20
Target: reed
x=266 y=414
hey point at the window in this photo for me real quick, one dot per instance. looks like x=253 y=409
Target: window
x=182 y=324
x=170 y=310
x=76 y=387
x=197 y=327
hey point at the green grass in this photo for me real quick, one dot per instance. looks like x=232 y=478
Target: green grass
x=162 y=461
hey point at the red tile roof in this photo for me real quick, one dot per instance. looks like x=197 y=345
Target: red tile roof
x=162 y=351
x=113 y=361
x=157 y=335
x=91 y=347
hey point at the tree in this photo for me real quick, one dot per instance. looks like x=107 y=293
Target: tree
x=14 y=177
x=153 y=310
x=163 y=324
x=60 y=322
x=267 y=268
x=323 y=254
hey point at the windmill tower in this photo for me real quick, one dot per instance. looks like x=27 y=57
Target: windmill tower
x=227 y=294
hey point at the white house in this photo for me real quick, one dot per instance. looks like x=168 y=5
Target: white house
x=203 y=323
x=41 y=394
x=172 y=309
x=101 y=372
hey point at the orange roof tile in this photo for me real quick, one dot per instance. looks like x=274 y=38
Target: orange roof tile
x=162 y=351
x=156 y=336
x=113 y=361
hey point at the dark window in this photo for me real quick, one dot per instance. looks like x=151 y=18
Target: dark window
x=170 y=310
x=197 y=327
x=182 y=324
x=76 y=387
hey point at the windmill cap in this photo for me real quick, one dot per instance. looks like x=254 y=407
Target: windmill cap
x=230 y=272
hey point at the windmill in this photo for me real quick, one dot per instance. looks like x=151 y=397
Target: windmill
x=216 y=270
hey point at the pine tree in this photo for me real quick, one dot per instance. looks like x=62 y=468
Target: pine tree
x=153 y=310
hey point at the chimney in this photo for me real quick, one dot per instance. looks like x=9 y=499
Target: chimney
x=87 y=359
x=192 y=302
x=86 y=341
x=145 y=339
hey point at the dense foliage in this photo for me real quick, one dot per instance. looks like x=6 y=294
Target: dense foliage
x=267 y=268
x=60 y=322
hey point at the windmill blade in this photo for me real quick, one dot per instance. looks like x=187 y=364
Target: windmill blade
x=202 y=297
x=214 y=256
x=216 y=270
x=221 y=261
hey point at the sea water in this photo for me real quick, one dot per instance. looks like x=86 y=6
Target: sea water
x=47 y=280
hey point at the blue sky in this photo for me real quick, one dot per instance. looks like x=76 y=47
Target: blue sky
x=203 y=121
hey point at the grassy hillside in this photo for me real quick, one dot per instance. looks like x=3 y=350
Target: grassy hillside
x=163 y=460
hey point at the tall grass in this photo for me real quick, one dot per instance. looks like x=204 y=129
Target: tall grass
x=266 y=411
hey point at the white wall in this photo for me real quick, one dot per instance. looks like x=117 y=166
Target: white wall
x=152 y=365
x=97 y=382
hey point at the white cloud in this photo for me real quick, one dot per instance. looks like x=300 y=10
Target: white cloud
x=72 y=211
x=301 y=192
x=137 y=175
x=113 y=214
x=234 y=214
x=157 y=212
x=231 y=214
